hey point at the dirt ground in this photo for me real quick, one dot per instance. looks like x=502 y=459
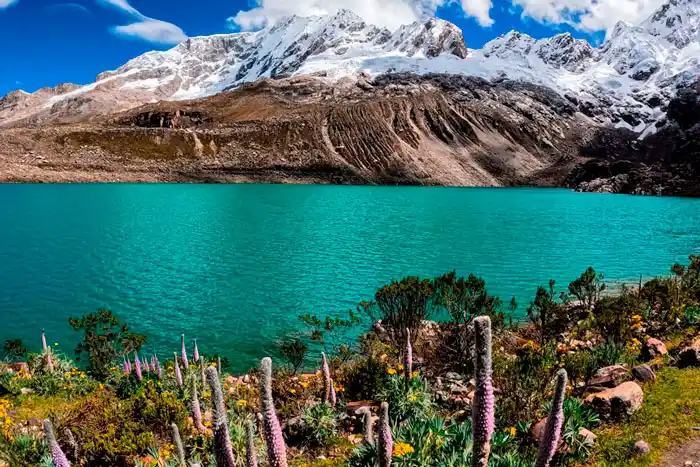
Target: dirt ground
x=686 y=455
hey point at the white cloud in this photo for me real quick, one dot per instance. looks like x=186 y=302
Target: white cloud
x=148 y=29
x=7 y=3
x=388 y=13
x=153 y=30
x=67 y=6
x=588 y=15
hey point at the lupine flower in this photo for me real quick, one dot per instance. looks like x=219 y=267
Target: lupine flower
x=222 y=441
x=43 y=341
x=137 y=364
x=179 y=449
x=158 y=370
x=59 y=459
x=251 y=458
x=145 y=365
x=327 y=382
x=125 y=367
x=333 y=399
x=185 y=363
x=552 y=431
x=49 y=361
x=483 y=406
x=178 y=374
x=195 y=354
x=276 y=449
x=386 y=442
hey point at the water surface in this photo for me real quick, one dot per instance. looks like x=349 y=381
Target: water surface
x=233 y=265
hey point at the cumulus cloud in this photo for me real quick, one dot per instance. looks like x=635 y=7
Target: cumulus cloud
x=7 y=3
x=588 y=15
x=388 y=13
x=145 y=28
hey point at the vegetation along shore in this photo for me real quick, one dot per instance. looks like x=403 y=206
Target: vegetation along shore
x=440 y=376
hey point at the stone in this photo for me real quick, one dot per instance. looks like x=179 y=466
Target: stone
x=588 y=435
x=644 y=374
x=610 y=376
x=624 y=399
x=25 y=391
x=537 y=430
x=690 y=356
x=653 y=348
x=641 y=447
x=358 y=407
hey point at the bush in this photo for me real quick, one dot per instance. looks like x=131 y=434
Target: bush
x=587 y=288
x=319 y=427
x=415 y=403
x=105 y=339
x=545 y=314
x=294 y=352
x=14 y=349
x=613 y=318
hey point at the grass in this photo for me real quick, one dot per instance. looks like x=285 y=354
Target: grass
x=670 y=411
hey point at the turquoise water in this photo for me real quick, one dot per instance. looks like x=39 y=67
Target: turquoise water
x=233 y=265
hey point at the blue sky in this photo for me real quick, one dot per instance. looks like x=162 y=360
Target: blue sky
x=48 y=42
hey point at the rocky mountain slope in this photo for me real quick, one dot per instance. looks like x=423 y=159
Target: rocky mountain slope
x=533 y=110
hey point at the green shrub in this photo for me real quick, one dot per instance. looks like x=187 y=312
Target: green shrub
x=25 y=450
x=416 y=403
x=14 y=349
x=319 y=426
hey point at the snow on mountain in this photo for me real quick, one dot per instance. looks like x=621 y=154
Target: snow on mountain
x=626 y=81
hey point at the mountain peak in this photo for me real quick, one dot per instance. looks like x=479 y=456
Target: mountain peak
x=677 y=21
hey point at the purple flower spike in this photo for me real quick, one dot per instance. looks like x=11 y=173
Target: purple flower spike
x=333 y=398
x=137 y=363
x=185 y=363
x=178 y=374
x=222 y=441
x=196 y=408
x=251 y=458
x=327 y=382
x=408 y=359
x=59 y=459
x=49 y=361
x=552 y=431
x=386 y=442
x=276 y=449
x=43 y=341
x=125 y=367
x=195 y=354
x=484 y=402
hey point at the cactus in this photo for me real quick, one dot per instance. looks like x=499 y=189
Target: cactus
x=137 y=364
x=178 y=373
x=185 y=363
x=222 y=440
x=196 y=409
x=43 y=341
x=251 y=458
x=386 y=442
x=59 y=459
x=195 y=354
x=276 y=450
x=408 y=360
x=552 y=430
x=179 y=449
x=483 y=406
x=327 y=381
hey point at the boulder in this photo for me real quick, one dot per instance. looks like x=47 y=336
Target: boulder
x=653 y=348
x=644 y=374
x=641 y=447
x=610 y=376
x=624 y=399
x=690 y=356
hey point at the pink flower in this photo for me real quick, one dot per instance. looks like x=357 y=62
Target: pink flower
x=137 y=362
x=185 y=363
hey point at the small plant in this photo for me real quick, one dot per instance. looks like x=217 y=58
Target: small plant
x=14 y=349
x=588 y=288
x=319 y=424
x=544 y=313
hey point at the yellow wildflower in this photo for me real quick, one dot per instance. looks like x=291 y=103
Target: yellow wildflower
x=513 y=431
x=304 y=384
x=401 y=449
x=414 y=374
x=391 y=371
x=242 y=403
x=400 y=367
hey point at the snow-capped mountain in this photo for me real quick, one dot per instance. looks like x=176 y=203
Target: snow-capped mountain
x=626 y=81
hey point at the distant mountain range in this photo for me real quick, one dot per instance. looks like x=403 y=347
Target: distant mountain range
x=623 y=88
